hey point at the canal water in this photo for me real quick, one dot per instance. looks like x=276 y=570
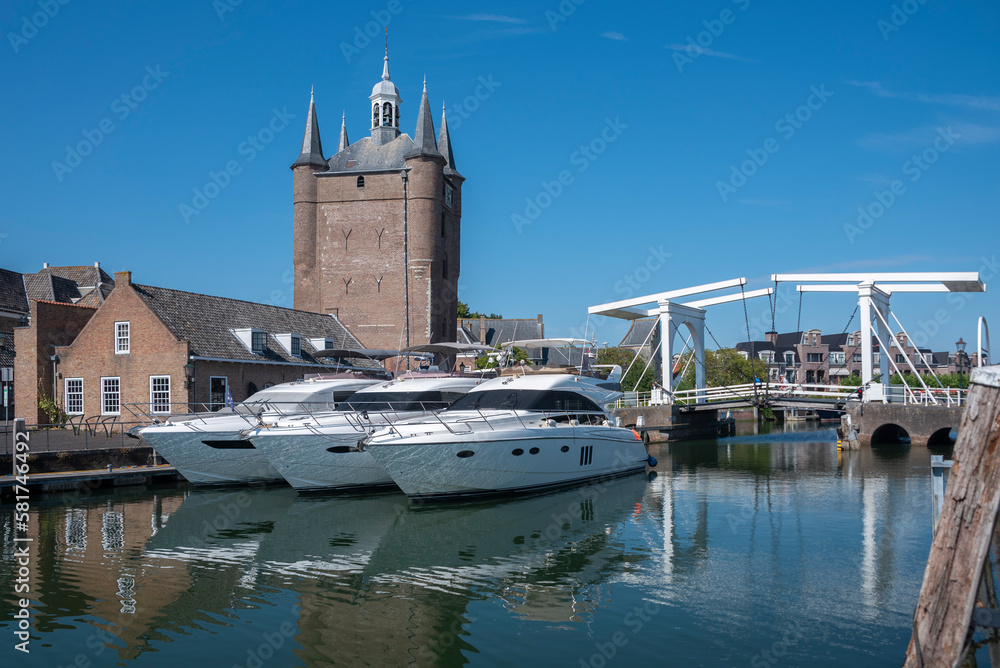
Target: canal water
x=757 y=550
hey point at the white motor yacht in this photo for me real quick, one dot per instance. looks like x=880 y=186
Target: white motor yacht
x=320 y=452
x=531 y=428
x=207 y=448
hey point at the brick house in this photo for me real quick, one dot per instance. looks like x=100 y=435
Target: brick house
x=151 y=349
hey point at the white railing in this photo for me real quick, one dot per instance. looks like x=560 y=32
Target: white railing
x=736 y=392
x=938 y=396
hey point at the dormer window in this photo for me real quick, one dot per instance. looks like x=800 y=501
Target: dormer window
x=255 y=340
x=292 y=343
x=322 y=343
x=361 y=182
x=258 y=341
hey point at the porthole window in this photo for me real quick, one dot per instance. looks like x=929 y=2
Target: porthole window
x=465 y=453
x=517 y=452
x=534 y=451
x=564 y=448
x=361 y=182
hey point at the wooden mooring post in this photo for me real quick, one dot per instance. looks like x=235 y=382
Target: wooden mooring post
x=943 y=622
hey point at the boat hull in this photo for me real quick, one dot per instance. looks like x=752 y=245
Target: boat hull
x=211 y=457
x=314 y=462
x=441 y=466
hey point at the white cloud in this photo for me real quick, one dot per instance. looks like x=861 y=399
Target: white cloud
x=694 y=49
x=973 y=102
x=968 y=134
x=492 y=18
x=615 y=35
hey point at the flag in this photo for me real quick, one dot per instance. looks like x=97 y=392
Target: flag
x=229 y=400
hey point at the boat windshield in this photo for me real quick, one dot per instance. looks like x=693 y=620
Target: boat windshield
x=530 y=400
x=399 y=401
x=288 y=403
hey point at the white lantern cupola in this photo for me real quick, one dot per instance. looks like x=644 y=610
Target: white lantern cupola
x=385 y=107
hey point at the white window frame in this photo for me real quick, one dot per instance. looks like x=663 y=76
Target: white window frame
x=258 y=335
x=123 y=343
x=105 y=394
x=153 y=392
x=66 y=394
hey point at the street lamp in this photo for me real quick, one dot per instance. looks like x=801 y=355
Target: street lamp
x=960 y=359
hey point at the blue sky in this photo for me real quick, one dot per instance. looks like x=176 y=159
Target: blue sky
x=647 y=112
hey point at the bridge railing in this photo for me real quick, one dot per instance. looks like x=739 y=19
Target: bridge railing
x=938 y=396
x=736 y=393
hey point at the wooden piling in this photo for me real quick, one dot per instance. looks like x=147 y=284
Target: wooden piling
x=942 y=622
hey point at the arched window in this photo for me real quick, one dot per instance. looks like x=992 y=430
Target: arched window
x=387 y=114
x=375 y=115
x=361 y=182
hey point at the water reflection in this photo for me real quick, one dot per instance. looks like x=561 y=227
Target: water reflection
x=726 y=545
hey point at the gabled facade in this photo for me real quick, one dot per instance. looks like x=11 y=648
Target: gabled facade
x=378 y=225
x=148 y=349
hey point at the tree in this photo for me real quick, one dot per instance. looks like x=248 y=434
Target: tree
x=464 y=312
x=484 y=361
x=724 y=367
x=636 y=379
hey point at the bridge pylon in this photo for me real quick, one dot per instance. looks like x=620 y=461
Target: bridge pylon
x=672 y=315
x=874 y=290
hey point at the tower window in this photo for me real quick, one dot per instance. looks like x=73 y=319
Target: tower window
x=444 y=267
x=387 y=114
x=361 y=182
x=375 y=115
x=442 y=224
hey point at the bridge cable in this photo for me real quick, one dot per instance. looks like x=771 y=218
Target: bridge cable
x=798 y=323
x=774 y=305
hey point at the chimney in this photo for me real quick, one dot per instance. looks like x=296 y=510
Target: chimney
x=97 y=265
x=45 y=265
x=123 y=278
x=482 y=329
x=771 y=337
x=541 y=327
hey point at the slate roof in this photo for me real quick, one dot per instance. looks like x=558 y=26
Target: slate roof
x=312 y=147
x=498 y=331
x=46 y=286
x=637 y=333
x=206 y=322
x=86 y=275
x=365 y=156
x=13 y=296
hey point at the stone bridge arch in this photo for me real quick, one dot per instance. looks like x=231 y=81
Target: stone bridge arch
x=923 y=424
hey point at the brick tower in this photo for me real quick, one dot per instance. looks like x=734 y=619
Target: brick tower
x=378 y=226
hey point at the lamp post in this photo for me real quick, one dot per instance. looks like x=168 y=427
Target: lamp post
x=960 y=360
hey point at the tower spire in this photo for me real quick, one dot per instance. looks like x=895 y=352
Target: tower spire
x=343 y=143
x=444 y=144
x=312 y=147
x=423 y=138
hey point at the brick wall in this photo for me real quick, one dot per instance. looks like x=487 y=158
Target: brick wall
x=348 y=252
x=153 y=351
x=51 y=325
